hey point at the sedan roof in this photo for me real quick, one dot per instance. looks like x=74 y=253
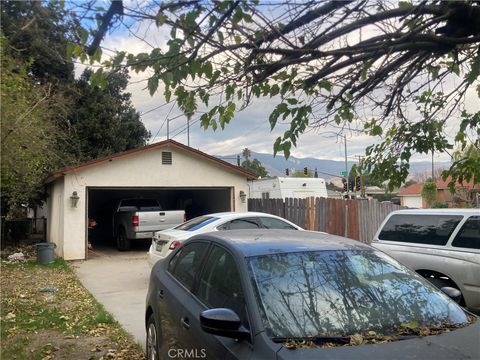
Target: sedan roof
x=272 y=241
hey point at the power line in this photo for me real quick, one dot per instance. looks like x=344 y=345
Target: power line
x=164 y=121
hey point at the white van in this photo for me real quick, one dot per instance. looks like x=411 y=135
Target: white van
x=443 y=245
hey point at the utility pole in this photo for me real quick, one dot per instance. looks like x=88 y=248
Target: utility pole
x=346 y=165
x=362 y=185
x=433 y=170
x=168 y=128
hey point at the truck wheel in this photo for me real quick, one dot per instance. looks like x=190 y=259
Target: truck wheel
x=123 y=243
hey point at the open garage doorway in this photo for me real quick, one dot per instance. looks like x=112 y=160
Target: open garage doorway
x=103 y=202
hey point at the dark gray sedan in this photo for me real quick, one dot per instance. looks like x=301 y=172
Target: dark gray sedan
x=283 y=294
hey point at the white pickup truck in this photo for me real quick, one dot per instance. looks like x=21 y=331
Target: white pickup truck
x=139 y=218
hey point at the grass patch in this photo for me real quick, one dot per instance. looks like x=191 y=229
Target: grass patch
x=47 y=313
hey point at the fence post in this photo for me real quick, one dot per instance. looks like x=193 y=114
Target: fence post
x=346 y=218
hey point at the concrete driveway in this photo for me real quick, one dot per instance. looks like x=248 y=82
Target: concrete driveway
x=119 y=281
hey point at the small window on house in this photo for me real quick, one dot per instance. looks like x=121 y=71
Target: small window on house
x=265 y=195
x=166 y=157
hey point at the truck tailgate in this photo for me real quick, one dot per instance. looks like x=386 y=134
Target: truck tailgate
x=158 y=220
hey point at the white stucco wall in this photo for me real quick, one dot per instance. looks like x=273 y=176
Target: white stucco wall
x=55 y=207
x=139 y=170
x=412 y=201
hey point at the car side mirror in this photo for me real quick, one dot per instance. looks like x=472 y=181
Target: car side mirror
x=223 y=322
x=452 y=293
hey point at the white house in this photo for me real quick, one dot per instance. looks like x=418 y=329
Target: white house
x=179 y=176
x=287 y=187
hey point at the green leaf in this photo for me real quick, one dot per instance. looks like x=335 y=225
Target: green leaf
x=195 y=68
x=405 y=5
x=205 y=121
x=220 y=36
x=97 y=56
x=160 y=19
x=292 y=101
x=376 y=130
x=229 y=91
x=247 y=18
x=213 y=124
x=99 y=79
x=168 y=94
x=208 y=69
x=70 y=48
x=214 y=77
x=325 y=84
x=474 y=71
x=117 y=60
x=152 y=85
x=82 y=34
x=274 y=90
x=238 y=39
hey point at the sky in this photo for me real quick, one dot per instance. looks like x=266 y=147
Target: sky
x=250 y=128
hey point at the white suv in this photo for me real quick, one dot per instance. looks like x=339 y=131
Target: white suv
x=443 y=245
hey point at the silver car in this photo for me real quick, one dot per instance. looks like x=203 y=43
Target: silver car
x=442 y=245
x=164 y=242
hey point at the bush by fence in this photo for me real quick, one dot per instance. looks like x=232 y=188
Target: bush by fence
x=16 y=230
x=356 y=219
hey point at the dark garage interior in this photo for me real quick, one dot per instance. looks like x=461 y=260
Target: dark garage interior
x=102 y=203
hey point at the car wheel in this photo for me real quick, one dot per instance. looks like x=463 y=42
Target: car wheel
x=123 y=243
x=152 y=340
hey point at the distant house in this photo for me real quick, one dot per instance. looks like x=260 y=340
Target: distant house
x=371 y=191
x=411 y=196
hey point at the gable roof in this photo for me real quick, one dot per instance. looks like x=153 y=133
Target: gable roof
x=443 y=184
x=411 y=190
x=416 y=189
x=140 y=150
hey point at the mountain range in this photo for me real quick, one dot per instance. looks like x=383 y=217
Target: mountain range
x=326 y=169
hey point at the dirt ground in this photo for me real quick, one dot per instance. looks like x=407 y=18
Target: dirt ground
x=47 y=314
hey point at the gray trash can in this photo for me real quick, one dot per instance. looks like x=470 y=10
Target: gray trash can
x=45 y=252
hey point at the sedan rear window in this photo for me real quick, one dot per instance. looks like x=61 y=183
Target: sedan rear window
x=196 y=223
x=420 y=229
x=341 y=293
x=273 y=223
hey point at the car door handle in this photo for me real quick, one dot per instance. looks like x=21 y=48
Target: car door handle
x=161 y=214
x=185 y=323
x=160 y=294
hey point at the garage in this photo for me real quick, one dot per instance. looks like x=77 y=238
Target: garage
x=102 y=203
x=179 y=177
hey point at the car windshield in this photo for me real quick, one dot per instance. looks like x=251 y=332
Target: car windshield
x=196 y=223
x=341 y=293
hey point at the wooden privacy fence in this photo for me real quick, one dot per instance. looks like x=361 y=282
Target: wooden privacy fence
x=356 y=219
